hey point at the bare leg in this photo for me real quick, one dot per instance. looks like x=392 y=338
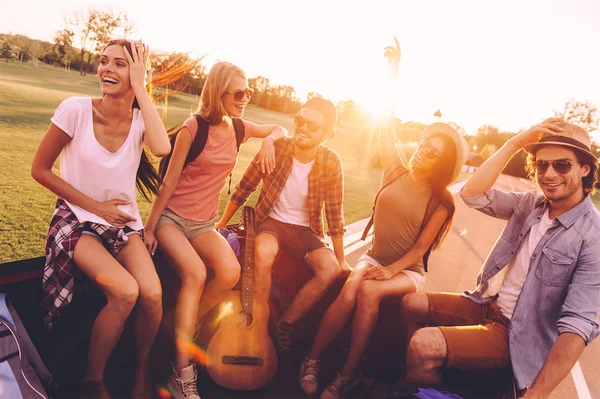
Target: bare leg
x=414 y=309
x=192 y=273
x=216 y=254
x=339 y=312
x=426 y=355
x=136 y=259
x=370 y=295
x=327 y=270
x=265 y=252
x=121 y=291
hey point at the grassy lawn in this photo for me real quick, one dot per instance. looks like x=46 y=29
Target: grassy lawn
x=28 y=98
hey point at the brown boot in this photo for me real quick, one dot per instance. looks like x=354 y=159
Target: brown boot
x=142 y=386
x=94 y=390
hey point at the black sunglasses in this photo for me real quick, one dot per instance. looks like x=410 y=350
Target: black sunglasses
x=238 y=95
x=311 y=126
x=428 y=150
x=561 y=166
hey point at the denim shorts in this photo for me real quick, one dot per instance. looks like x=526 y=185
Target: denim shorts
x=298 y=241
x=189 y=228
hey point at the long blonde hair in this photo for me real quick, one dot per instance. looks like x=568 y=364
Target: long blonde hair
x=220 y=75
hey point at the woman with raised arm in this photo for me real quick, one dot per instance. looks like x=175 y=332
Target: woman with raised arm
x=412 y=215
x=183 y=215
x=96 y=225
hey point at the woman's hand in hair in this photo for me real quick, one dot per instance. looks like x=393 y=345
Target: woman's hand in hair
x=109 y=211
x=378 y=273
x=138 y=61
x=150 y=241
x=392 y=53
x=266 y=156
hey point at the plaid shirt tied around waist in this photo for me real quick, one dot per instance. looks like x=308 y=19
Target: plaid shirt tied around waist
x=325 y=186
x=58 y=282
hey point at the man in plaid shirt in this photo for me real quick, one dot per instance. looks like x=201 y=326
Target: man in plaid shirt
x=289 y=211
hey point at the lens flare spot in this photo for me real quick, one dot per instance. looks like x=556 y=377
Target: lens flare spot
x=163 y=393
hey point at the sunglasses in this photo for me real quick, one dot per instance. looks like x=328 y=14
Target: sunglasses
x=238 y=95
x=428 y=150
x=561 y=166
x=311 y=126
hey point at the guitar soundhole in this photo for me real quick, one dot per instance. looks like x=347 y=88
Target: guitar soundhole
x=244 y=319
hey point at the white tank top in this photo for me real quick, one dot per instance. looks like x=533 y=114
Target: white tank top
x=92 y=169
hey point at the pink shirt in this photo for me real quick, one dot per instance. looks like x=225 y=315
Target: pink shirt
x=196 y=196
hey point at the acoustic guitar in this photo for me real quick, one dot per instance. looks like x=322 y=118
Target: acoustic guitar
x=241 y=354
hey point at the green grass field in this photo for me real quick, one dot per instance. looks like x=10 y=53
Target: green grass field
x=28 y=98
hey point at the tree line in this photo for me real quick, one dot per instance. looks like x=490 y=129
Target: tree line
x=93 y=28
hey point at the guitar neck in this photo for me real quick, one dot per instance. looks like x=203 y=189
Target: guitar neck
x=248 y=272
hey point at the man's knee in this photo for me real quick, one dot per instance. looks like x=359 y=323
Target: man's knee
x=415 y=306
x=426 y=349
x=266 y=249
x=325 y=265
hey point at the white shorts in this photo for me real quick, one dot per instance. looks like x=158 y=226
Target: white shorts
x=417 y=278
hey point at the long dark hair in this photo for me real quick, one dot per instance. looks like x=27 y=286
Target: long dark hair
x=440 y=181
x=147 y=179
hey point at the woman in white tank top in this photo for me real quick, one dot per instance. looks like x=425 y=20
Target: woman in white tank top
x=96 y=225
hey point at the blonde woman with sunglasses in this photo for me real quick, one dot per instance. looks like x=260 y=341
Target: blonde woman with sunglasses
x=183 y=215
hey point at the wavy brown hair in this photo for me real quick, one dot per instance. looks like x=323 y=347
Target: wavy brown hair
x=439 y=185
x=147 y=178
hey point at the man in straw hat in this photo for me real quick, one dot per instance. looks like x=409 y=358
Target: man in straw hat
x=308 y=178
x=537 y=301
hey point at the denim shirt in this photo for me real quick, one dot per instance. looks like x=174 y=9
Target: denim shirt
x=561 y=293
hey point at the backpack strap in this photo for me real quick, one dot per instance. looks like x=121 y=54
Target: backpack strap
x=199 y=141
x=240 y=132
x=432 y=205
x=395 y=175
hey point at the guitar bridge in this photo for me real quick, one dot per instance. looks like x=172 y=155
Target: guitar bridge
x=242 y=360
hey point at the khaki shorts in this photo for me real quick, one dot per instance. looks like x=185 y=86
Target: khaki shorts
x=476 y=335
x=189 y=228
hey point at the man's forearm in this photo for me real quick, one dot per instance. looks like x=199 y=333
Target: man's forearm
x=338 y=248
x=485 y=176
x=562 y=357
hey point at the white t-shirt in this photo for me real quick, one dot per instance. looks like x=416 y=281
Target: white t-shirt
x=292 y=206
x=92 y=169
x=519 y=266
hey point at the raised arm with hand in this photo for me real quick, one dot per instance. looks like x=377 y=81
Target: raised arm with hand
x=266 y=155
x=485 y=176
x=155 y=135
x=390 y=157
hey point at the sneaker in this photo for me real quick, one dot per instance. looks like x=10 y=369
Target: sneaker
x=341 y=387
x=142 y=386
x=94 y=390
x=183 y=385
x=283 y=337
x=308 y=377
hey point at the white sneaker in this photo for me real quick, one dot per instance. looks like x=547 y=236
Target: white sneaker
x=183 y=385
x=308 y=377
x=341 y=387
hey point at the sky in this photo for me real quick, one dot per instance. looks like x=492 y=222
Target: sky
x=506 y=63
